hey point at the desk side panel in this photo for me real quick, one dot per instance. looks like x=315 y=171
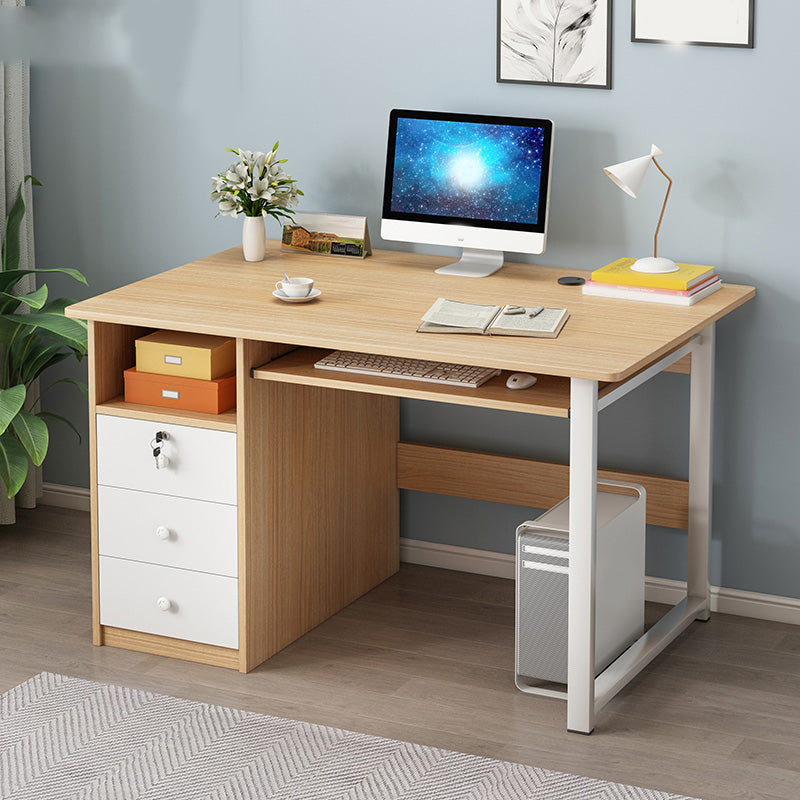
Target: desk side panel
x=318 y=498
x=111 y=351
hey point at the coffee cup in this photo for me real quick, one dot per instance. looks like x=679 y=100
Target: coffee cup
x=296 y=287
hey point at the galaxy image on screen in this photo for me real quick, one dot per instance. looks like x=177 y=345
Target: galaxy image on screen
x=468 y=170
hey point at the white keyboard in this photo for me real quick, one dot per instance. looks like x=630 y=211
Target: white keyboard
x=413 y=369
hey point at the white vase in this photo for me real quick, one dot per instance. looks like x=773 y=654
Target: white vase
x=253 y=238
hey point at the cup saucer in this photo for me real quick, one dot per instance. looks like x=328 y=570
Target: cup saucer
x=286 y=299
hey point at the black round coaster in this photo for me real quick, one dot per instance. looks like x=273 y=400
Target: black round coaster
x=571 y=280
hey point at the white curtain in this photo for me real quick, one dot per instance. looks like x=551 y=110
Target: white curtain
x=15 y=163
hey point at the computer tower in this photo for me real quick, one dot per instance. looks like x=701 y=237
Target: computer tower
x=542 y=570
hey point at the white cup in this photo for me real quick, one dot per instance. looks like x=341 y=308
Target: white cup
x=296 y=287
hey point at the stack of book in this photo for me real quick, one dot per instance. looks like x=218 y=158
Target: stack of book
x=690 y=283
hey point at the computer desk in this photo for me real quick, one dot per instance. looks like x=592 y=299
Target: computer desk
x=318 y=457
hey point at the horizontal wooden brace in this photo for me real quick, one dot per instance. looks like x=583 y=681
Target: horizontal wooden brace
x=524 y=481
x=683 y=366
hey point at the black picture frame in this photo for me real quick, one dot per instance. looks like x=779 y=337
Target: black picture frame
x=749 y=43
x=515 y=57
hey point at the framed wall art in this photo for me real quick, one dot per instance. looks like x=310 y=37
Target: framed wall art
x=723 y=23
x=554 y=42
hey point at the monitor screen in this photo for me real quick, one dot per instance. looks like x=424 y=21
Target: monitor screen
x=465 y=169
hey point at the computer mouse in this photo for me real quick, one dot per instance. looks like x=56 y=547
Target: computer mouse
x=520 y=380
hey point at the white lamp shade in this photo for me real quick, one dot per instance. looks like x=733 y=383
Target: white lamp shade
x=629 y=175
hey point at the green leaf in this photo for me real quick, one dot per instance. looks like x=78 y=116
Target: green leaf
x=38 y=358
x=11 y=250
x=13 y=463
x=8 y=328
x=59 y=418
x=71 y=331
x=34 y=299
x=11 y=401
x=33 y=435
x=58 y=305
x=80 y=384
x=10 y=276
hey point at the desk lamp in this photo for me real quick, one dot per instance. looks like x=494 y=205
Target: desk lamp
x=629 y=176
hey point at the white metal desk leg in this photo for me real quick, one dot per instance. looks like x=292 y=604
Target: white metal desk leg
x=582 y=554
x=701 y=430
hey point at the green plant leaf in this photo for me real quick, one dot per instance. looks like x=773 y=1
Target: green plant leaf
x=80 y=384
x=59 y=418
x=11 y=276
x=8 y=329
x=70 y=331
x=34 y=299
x=11 y=249
x=8 y=303
x=11 y=401
x=13 y=463
x=32 y=434
x=32 y=362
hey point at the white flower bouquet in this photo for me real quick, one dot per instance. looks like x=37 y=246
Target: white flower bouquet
x=255 y=186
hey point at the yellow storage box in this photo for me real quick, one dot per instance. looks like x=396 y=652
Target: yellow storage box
x=188 y=355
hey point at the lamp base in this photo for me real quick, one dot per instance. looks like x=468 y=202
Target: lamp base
x=654 y=265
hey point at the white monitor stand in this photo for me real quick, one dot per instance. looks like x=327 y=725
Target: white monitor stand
x=474 y=263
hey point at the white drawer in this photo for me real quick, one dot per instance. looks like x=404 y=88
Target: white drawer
x=202 y=463
x=171 y=531
x=196 y=607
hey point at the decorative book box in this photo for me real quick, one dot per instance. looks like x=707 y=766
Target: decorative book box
x=188 y=355
x=188 y=394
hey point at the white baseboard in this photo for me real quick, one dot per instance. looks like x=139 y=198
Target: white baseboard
x=75 y=497
x=501 y=565
x=657 y=590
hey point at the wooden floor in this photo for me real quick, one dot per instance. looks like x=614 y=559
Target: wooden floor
x=427 y=657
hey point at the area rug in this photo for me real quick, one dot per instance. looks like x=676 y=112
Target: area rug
x=61 y=737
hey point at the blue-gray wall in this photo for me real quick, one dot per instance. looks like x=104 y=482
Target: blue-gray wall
x=134 y=103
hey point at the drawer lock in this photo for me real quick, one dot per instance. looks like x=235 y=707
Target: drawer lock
x=156 y=444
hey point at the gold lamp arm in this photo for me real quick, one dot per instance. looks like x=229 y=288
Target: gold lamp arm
x=663 y=208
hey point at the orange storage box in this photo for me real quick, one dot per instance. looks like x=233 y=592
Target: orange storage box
x=187 y=394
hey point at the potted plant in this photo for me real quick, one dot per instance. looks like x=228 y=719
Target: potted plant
x=34 y=335
x=257 y=187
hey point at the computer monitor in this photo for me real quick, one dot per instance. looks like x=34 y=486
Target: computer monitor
x=476 y=182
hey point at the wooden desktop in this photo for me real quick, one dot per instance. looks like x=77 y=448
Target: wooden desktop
x=318 y=457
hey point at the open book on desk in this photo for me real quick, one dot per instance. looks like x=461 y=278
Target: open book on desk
x=453 y=316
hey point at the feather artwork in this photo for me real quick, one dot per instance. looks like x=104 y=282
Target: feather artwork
x=541 y=40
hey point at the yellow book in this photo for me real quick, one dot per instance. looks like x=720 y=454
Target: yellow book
x=619 y=272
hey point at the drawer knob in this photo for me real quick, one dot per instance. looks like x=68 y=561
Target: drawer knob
x=164 y=603
x=163 y=533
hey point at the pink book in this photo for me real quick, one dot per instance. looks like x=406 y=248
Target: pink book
x=650 y=290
